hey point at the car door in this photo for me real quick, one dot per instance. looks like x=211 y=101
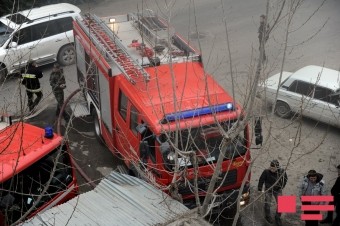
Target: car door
x=121 y=125
x=53 y=35
x=46 y=34
x=25 y=48
x=325 y=106
x=298 y=96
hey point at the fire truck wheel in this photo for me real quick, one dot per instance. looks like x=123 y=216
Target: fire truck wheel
x=66 y=55
x=96 y=124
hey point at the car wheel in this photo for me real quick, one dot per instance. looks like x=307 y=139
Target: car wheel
x=282 y=109
x=3 y=73
x=67 y=55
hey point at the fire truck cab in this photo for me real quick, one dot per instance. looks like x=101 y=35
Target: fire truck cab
x=154 y=105
x=36 y=171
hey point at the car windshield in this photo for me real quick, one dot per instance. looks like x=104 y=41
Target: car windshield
x=5 y=32
x=21 y=192
x=206 y=142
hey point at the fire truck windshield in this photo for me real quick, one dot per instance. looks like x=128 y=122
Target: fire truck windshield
x=21 y=192
x=205 y=142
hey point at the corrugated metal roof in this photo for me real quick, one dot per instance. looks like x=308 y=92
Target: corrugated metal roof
x=118 y=199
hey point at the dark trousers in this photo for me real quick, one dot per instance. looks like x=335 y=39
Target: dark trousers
x=33 y=103
x=59 y=96
x=268 y=200
x=311 y=222
x=336 y=221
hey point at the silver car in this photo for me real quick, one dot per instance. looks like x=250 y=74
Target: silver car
x=312 y=91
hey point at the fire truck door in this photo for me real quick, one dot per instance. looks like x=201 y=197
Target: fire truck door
x=121 y=127
x=105 y=98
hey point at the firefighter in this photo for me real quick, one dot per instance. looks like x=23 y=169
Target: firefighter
x=30 y=79
x=274 y=180
x=58 y=84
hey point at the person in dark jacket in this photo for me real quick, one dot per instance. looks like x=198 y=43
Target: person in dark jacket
x=274 y=180
x=312 y=185
x=30 y=79
x=335 y=191
x=58 y=84
x=263 y=32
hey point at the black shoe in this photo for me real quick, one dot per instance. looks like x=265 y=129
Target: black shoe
x=326 y=221
x=269 y=219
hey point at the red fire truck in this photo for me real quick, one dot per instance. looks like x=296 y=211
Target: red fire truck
x=36 y=171
x=155 y=106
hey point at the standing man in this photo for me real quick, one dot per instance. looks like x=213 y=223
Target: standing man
x=274 y=180
x=58 y=84
x=312 y=185
x=263 y=34
x=30 y=79
x=335 y=191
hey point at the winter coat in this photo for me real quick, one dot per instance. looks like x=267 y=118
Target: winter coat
x=56 y=80
x=268 y=178
x=318 y=188
x=30 y=78
x=335 y=191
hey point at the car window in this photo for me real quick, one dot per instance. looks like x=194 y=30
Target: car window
x=323 y=94
x=44 y=30
x=18 y=18
x=23 y=36
x=301 y=87
x=335 y=98
x=5 y=32
x=65 y=24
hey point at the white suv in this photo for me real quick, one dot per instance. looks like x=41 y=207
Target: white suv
x=41 y=34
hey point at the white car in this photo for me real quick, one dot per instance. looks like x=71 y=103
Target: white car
x=312 y=91
x=42 y=34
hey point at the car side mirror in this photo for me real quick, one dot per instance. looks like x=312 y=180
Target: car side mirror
x=258 y=131
x=13 y=45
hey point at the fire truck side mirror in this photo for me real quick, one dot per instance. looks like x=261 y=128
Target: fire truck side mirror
x=258 y=131
x=141 y=128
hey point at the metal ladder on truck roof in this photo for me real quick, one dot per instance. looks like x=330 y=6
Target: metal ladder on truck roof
x=112 y=45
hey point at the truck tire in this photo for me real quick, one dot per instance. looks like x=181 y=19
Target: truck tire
x=3 y=73
x=282 y=109
x=67 y=55
x=96 y=124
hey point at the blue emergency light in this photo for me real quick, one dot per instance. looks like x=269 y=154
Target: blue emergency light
x=48 y=132
x=198 y=112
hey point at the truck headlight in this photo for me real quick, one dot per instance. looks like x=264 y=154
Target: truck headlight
x=244 y=198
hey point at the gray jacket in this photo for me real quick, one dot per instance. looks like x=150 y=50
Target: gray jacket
x=318 y=188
